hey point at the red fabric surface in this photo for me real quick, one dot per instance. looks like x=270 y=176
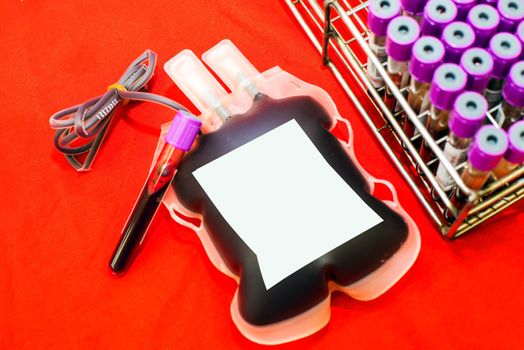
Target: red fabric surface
x=59 y=227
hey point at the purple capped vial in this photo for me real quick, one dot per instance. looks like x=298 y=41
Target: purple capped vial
x=484 y=20
x=505 y=49
x=511 y=14
x=413 y=8
x=457 y=37
x=512 y=105
x=478 y=65
x=381 y=12
x=469 y=111
x=402 y=33
x=515 y=154
x=463 y=7
x=437 y=15
x=520 y=35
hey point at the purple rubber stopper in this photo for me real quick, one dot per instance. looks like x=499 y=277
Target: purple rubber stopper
x=428 y=53
x=381 y=12
x=183 y=131
x=511 y=13
x=488 y=148
x=402 y=33
x=513 y=91
x=448 y=82
x=437 y=15
x=463 y=7
x=457 y=37
x=468 y=114
x=414 y=7
x=478 y=65
x=515 y=152
x=484 y=20
x=505 y=49
x=520 y=35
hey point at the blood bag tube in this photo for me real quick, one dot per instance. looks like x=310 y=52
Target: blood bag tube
x=512 y=105
x=457 y=37
x=511 y=14
x=402 y=33
x=520 y=35
x=449 y=81
x=381 y=12
x=437 y=15
x=484 y=20
x=469 y=111
x=505 y=49
x=413 y=8
x=478 y=65
x=489 y=146
x=463 y=8
x=428 y=53
x=514 y=156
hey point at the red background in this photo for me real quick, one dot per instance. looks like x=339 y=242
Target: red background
x=59 y=227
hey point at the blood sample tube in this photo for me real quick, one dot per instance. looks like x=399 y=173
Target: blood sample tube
x=484 y=20
x=413 y=8
x=402 y=33
x=448 y=83
x=469 y=111
x=512 y=105
x=489 y=146
x=514 y=156
x=520 y=35
x=478 y=65
x=463 y=7
x=437 y=15
x=505 y=49
x=511 y=14
x=428 y=53
x=457 y=37
x=381 y=12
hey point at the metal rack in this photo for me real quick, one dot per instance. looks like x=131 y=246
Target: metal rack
x=338 y=31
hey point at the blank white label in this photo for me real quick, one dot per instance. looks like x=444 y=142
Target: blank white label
x=284 y=201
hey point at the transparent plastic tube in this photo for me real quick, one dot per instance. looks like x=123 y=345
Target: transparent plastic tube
x=514 y=156
x=512 y=105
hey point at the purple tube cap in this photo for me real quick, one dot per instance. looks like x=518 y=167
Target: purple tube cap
x=458 y=36
x=511 y=13
x=413 y=6
x=515 y=152
x=484 y=20
x=505 y=49
x=488 y=148
x=463 y=7
x=402 y=33
x=468 y=114
x=478 y=65
x=448 y=82
x=428 y=53
x=437 y=14
x=381 y=12
x=183 y=131
x=513 y=91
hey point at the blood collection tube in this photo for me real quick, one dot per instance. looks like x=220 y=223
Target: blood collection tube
x=179 y=139
x=511 y=14
x=512 y=105
x=428 y=53
x=469 y=111
x=484 y=20
x=520 y=35
x=402 y=33
x=437 y=15
x=505 y=49
x=448 y=83
x=457 y=37
x=478 y=65
x=488 y=148
x=463 y=7
x=381 y=12
x=514 y=156
x=413 y=8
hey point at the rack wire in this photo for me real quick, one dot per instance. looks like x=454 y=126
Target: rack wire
x=338 y=31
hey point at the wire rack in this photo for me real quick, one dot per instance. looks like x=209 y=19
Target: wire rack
x=338 y=31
